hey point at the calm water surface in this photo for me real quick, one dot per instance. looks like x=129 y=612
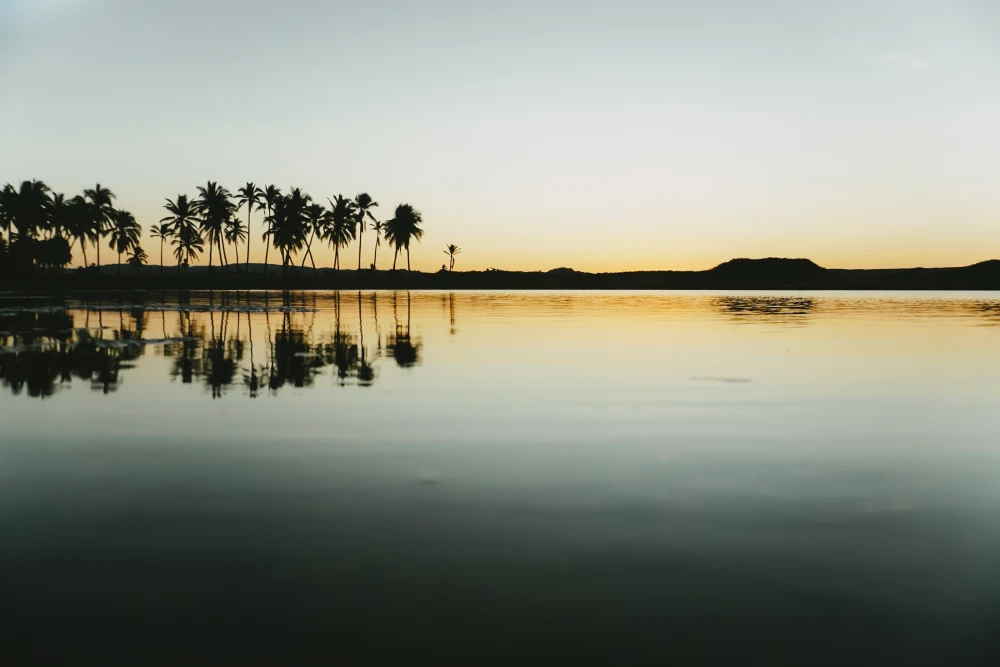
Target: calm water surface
x=509 y=477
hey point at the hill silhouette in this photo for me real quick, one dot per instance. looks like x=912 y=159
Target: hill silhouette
x=735 y=274
x=769 y=267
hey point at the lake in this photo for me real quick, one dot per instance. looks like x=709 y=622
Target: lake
x=527 y=477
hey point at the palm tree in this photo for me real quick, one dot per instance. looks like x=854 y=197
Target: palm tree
x=102 y=214
x=391 y=232
x=124 y=234
x=235 y=232
x=162 y=232
x=27 y=208
x=451 y=250
x=183 y=219
x=59 y=211
x=215 y=208
x=138 y=258
x=250 y=196
x=318 y=218
x=271 y=195
x=342 y=229
x=377 y=227
x=287 y=225
x=78 y=223
x=363 y=204
x=403 y=228
x=8 y=198
x=189 y=245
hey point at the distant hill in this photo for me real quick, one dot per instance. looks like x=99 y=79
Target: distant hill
x=737 y=274
x=770 y=266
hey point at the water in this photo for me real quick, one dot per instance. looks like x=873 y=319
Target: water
x=508 y=477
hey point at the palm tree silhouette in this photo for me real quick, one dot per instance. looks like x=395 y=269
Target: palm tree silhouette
x=342 y=229
x=389 y=232
x=183 y=220
x=402 y=228
x=250 y=196
x=27 y=209
x=138 y=258
x=59 y=212
x=215 y=208
x=235 y=232
x=451 y=250
x=8 y=198
x=363 y=204
x=271 y=195
x=162 y=232
x=287 y=225
x=189 y=245
x=124 y=233
x=102 y=214
x=318 y=219
x=36 y=203
x=78 y=223
x=377 y=227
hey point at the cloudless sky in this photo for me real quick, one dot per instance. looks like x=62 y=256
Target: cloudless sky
x=601 y=135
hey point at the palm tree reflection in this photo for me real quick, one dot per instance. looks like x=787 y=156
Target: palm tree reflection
x=366 y=373
x=207 y=342
x=38 y=353
x=451 y=312
x=400 y=346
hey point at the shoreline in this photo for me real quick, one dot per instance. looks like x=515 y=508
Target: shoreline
x=764 y=274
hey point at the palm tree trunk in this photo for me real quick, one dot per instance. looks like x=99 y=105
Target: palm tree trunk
x=119 y=263
x=83 y=247
x=267 y=246
x=361 y=236
x=308 y=254
x=249 y=210
x=407 y=259
x=222 y=253
x=375 y=256
x=394 y=257
x=336 y=257
x=211 y=247
x=161 y=258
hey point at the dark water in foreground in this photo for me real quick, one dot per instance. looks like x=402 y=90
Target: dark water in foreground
x=533 y=478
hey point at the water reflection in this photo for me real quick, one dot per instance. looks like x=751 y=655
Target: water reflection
x=400 y=346
x=760 y=466
x=218 y=344
x=40 y=351
x=258 y=343
x=788 y=309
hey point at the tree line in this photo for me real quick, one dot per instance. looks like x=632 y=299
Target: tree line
x=43 y=227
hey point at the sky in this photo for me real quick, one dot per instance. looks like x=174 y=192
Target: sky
x=599 y=135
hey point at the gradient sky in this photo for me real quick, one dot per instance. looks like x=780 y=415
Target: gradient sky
x=602 y=135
